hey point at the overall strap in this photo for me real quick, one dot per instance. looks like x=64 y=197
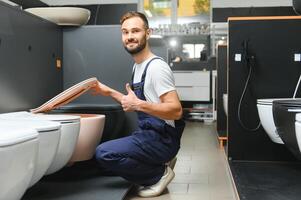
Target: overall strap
x=144 y=72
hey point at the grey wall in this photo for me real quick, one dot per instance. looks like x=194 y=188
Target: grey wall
x=29 y=47
x=97 y=51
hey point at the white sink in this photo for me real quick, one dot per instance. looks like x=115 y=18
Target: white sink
x=64 y=16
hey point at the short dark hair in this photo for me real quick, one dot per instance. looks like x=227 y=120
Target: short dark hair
x=131 y=14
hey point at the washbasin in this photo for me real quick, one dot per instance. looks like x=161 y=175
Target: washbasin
x=64 y=16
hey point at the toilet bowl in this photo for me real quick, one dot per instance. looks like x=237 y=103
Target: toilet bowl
x=284 y=113
x=265 y=112
x=298 y=128
x=69 y=136
x=114 y=117
x=18 y=154
x=225 y=103
x=70 y=126
x=48 y=136
x=91 y=129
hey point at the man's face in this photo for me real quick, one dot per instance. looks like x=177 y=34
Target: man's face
x=134 y=35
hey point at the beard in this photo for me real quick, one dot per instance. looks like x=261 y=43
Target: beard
x=141 y=45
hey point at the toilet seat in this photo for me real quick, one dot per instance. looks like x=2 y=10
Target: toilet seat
x=24 y=115
x=18 y=153
x=66 y=96
x=15 y=136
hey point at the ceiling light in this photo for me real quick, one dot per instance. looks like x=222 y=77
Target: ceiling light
x=173 y=43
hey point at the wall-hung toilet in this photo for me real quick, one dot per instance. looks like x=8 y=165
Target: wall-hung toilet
x=225 y=103
x=265 y=112
x=298 y=128
x=70 y=126
x=48 y=136
x=114 y=117
x=284 y=113
x=18 y=154
x=90 y=134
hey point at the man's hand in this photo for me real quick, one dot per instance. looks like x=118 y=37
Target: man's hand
x=130 y=102
x=101 y=89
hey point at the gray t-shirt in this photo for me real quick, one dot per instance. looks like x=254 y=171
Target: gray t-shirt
x=159 y=80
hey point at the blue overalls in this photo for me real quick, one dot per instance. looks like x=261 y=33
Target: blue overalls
x=140 y=158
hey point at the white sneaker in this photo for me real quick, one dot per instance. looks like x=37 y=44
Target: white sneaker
x=172 y=163
x=159 y=187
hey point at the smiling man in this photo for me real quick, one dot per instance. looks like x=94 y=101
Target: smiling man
x=143 y=157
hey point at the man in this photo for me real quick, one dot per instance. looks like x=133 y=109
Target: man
x=141 y=158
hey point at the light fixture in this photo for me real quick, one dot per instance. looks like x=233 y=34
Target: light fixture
x=173 y=43
x=220 y=42
x=156 y=36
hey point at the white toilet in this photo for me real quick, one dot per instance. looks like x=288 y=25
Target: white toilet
x=298 y=129
x=69 y=136
x=225 y=103
x=18 y=154
x=265 y=112
x=90 y=134
x=48 y=136
x=70 y=126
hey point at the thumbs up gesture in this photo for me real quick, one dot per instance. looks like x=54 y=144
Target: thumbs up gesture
x=130 y=102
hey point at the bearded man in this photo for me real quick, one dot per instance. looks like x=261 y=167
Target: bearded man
x=144 y=158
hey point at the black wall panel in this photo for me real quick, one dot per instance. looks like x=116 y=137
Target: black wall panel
x=275 y=75
x=29 y=47
x=222 y=14
x=221 y=121
x=30 y=3
x=108 y=14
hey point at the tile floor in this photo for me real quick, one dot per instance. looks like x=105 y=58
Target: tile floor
x=201 y=170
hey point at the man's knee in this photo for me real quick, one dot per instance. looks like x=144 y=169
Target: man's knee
x=104 y=155
x=101 y=153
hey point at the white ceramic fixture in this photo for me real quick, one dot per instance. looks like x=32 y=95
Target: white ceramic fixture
x=91 y=129
x=64 y=16
x=48 y=136
x=18 y=155
x=225 y=103
x=265 y=112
